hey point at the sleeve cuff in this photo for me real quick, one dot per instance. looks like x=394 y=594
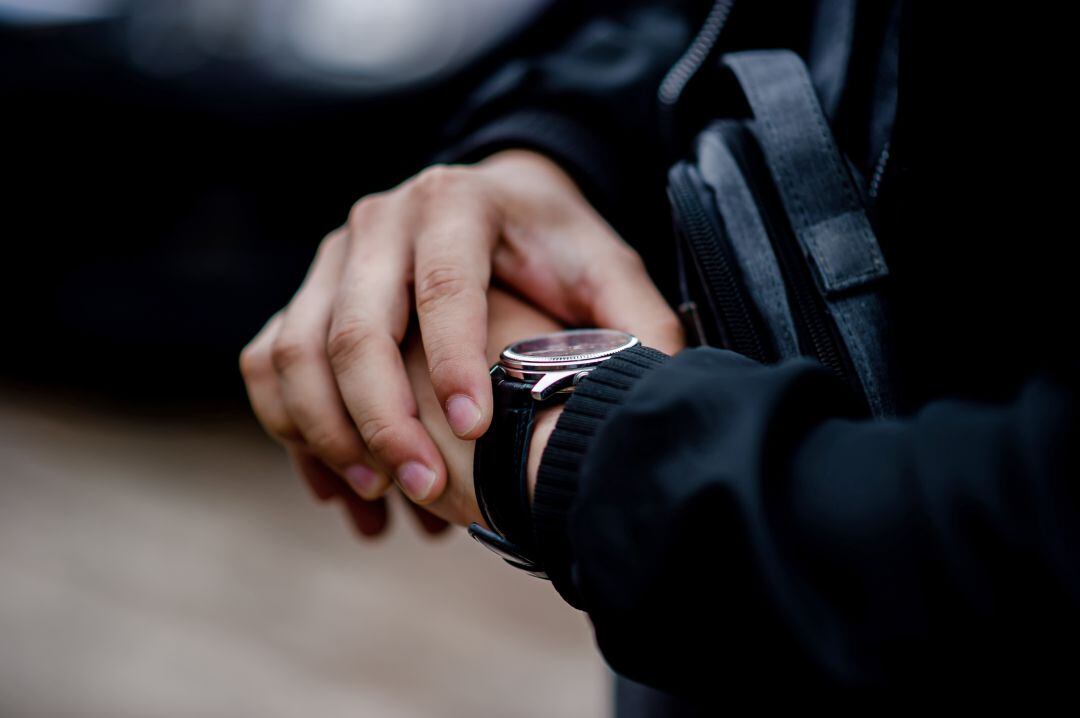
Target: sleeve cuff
x=557 y=482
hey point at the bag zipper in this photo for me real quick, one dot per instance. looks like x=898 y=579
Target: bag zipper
x=697 y=225
x=816 y=330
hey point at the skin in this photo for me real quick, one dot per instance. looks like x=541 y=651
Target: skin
x=326 y=375
x=510 y=320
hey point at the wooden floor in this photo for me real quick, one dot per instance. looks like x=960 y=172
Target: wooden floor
x=173 y=567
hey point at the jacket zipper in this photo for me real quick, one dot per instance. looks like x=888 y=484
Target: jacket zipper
x=814 y=325
x=688 y=65
x=697 y=225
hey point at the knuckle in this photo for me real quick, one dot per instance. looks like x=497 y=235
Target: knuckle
x=438 y=179
x=437 y=283
x=330 y=241
x=378 y=434
x=287 y=353
x=364 y=210
x=346 y=342
x=253 y=363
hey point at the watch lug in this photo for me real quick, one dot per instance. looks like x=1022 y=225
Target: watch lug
x=553 y=383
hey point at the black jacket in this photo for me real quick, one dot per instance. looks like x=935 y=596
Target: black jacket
x=729 y=525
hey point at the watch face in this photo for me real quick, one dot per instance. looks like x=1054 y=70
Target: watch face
x=567 y=349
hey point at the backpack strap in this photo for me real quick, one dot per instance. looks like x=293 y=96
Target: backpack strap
x=823 y=205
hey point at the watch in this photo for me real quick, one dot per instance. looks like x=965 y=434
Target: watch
x=530 y=374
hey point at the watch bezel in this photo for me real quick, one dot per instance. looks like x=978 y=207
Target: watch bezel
x=517 y=362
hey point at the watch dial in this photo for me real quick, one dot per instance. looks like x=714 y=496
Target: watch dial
x=573 y=343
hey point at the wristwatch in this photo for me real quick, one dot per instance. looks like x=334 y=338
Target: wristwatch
x=529 y=375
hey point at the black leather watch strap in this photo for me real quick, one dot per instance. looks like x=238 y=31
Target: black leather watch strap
x=509 y=552
x=500 y=459
x=500 y=462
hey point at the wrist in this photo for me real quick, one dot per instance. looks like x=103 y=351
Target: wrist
x=531 y=381
x=542 y=430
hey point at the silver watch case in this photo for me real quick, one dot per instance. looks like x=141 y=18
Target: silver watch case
x=555 y=363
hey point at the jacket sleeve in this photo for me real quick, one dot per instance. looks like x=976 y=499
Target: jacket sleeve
x=720 y=518
x=589 y=103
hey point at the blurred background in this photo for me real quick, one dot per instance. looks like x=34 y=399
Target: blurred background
x=168 y=169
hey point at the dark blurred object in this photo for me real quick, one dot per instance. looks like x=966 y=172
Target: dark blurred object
x=329 y=46
x=171 y=166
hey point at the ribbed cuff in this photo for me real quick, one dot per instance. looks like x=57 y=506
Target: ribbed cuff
x=557 y=482
x=583 y=153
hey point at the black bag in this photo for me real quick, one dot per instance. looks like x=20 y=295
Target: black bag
x=777 y=257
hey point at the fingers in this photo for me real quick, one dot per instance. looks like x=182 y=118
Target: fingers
x=326 y=376
x=370 y=316
x=599 y=280
x=457 y=501
x=264 y=391
x=308 y=390
x=323 y=482
x=369 y=517
x=452 y=269
x=585 y=275
x=624 y=297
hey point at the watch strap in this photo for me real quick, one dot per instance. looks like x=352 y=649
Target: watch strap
x=509 y=552
x=500 y=461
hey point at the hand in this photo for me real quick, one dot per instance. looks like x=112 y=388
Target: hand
x=326 y=374
x=509 y=320
x=369 y=516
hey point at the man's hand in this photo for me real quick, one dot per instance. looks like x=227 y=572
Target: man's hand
x=509 y=320
x=326 y=374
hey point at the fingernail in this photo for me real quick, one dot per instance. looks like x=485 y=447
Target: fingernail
x=416 y=480
x=364 y=480
x=462 y=413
